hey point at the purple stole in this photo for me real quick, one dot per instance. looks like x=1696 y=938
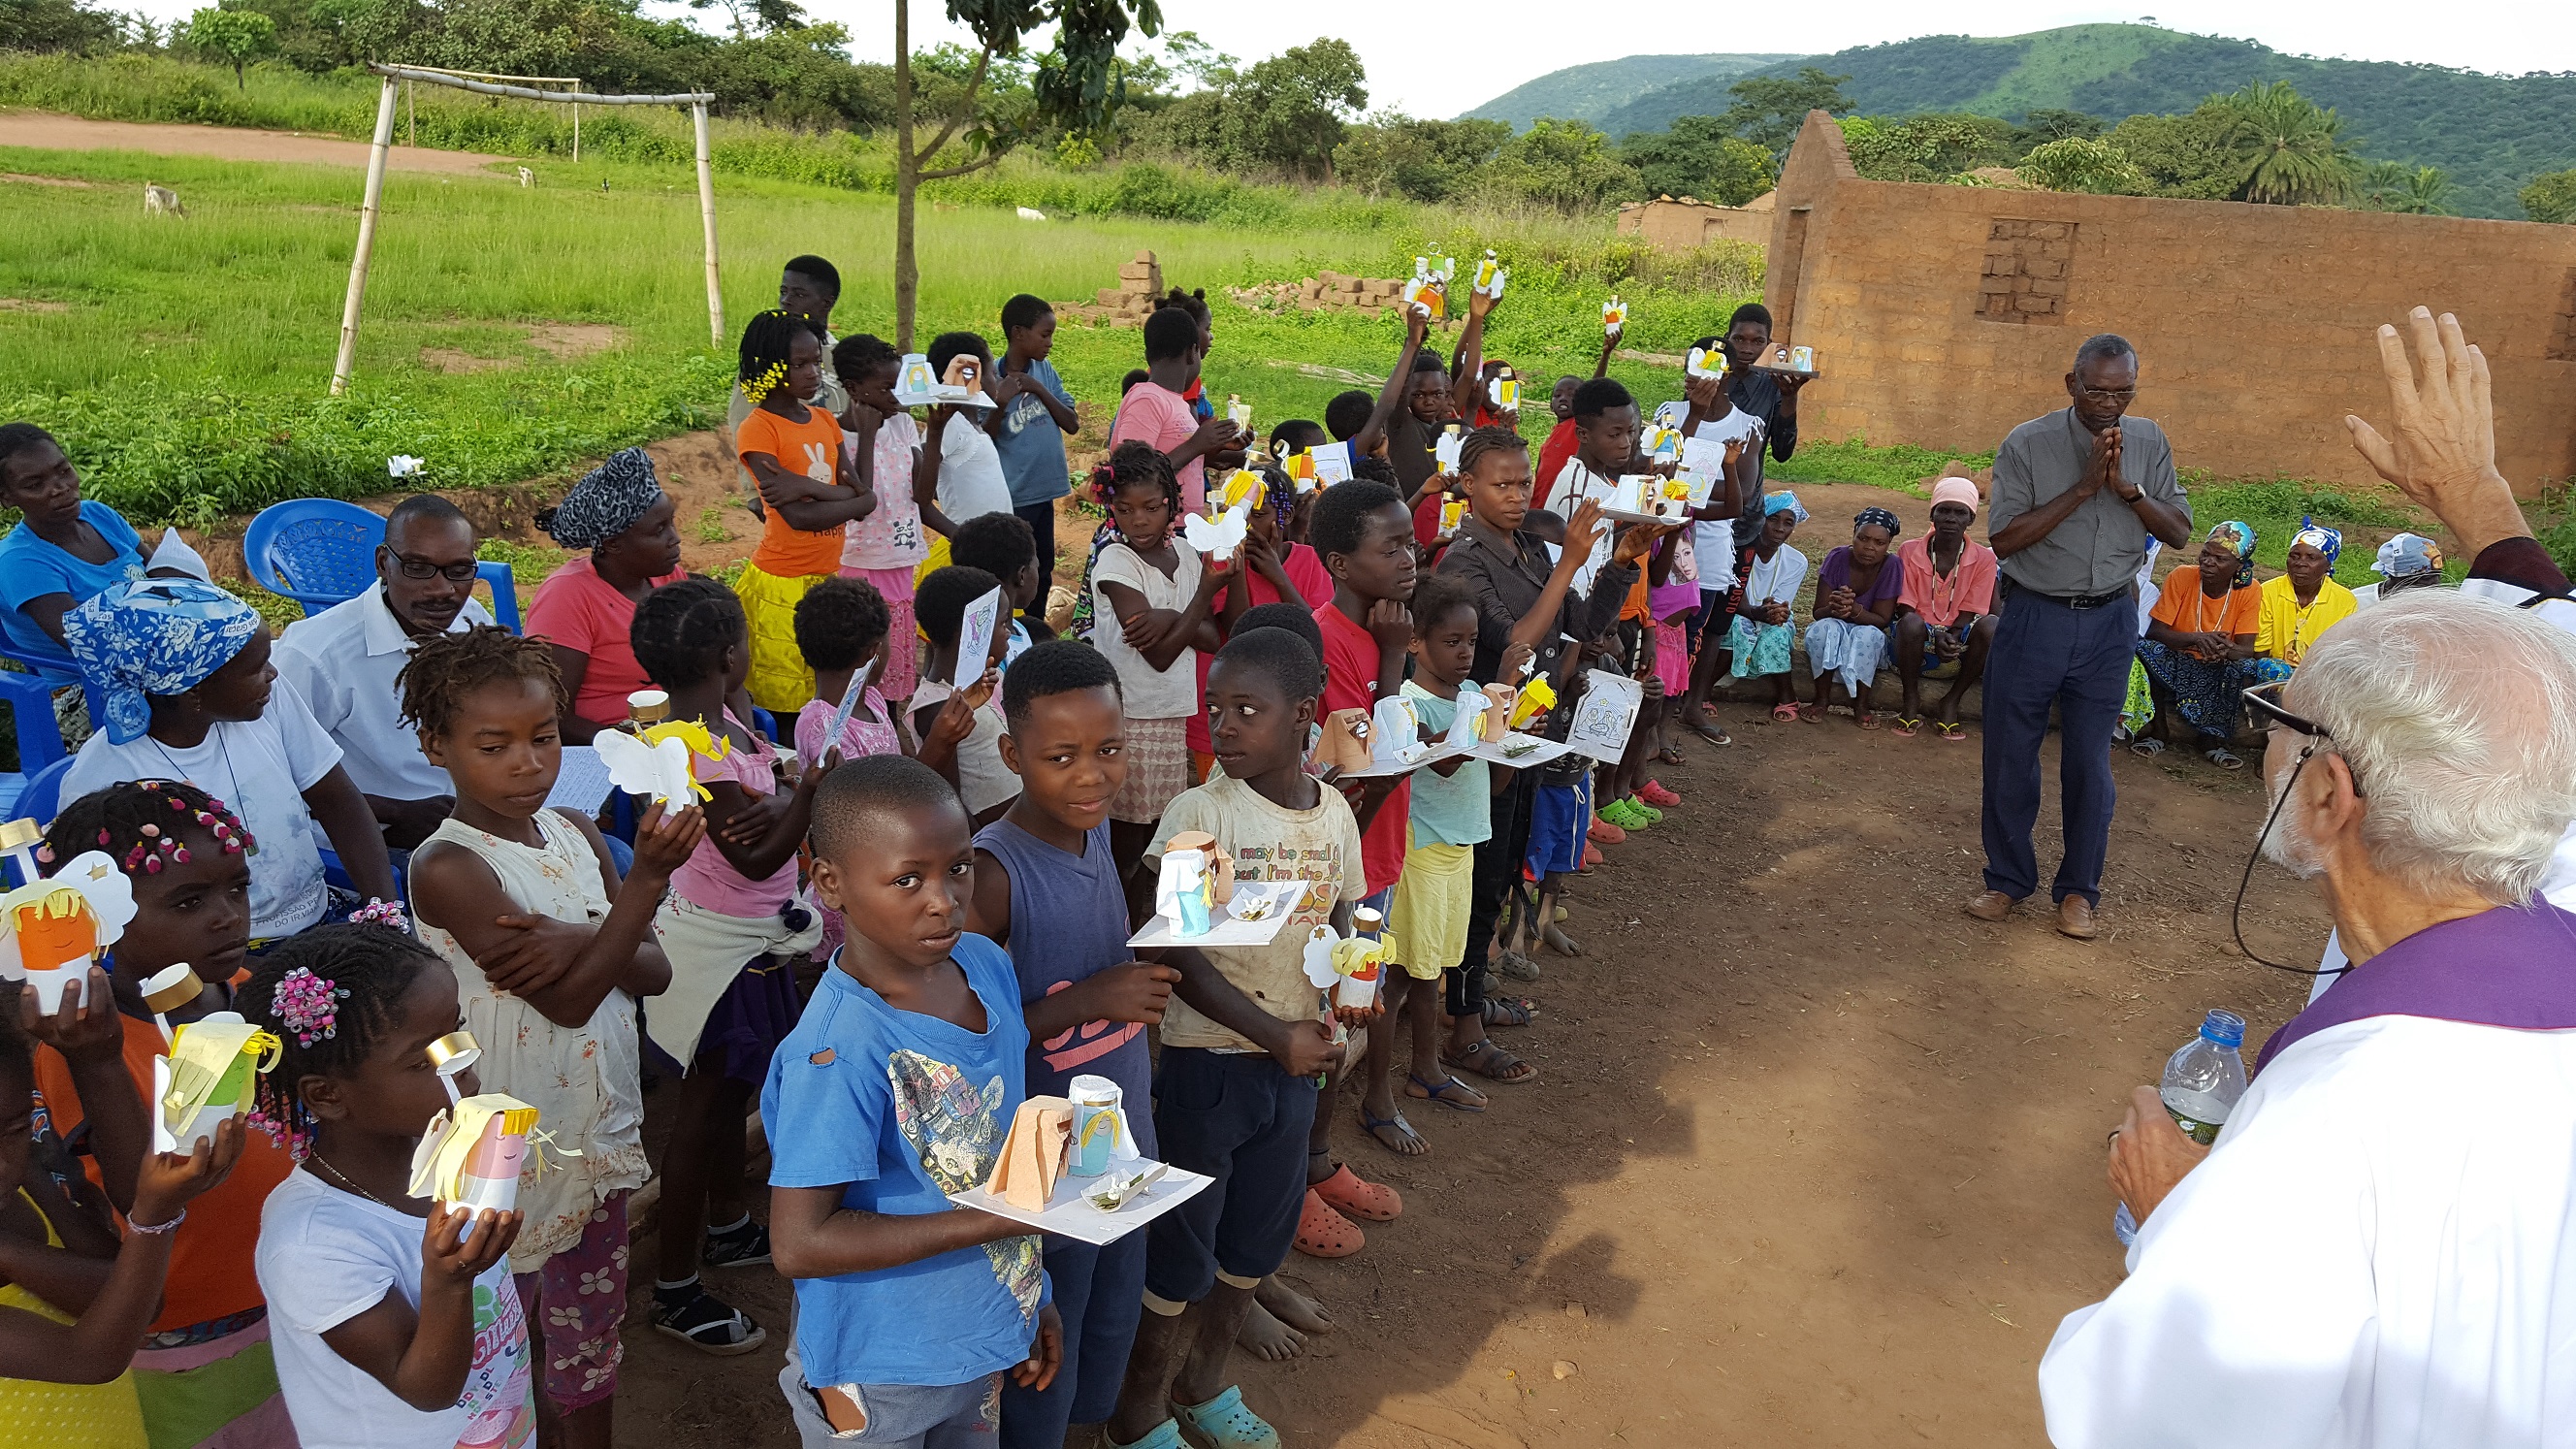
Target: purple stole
x=2513 y=966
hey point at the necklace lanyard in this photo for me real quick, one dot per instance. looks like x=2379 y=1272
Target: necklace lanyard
x=232 y=778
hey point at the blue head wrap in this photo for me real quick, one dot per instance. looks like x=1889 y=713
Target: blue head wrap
x=2237 y=537
x=154 y=636
x=2407 y=553
x=1783 y=501
x=2327 y=541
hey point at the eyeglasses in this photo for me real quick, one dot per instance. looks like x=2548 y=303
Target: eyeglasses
x=422 y=568
x=2265 y=701
x=2109 y=394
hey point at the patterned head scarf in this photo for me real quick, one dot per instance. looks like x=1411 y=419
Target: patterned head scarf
x=1783 y=501
x=606 y=502
x=2407 y=553
x=154 y=636
x=2237 y=537
x=2327 y=541
x=1876 y=518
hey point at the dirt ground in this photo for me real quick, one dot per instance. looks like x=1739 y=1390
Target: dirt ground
x=1710 y=1221
x=48 y=132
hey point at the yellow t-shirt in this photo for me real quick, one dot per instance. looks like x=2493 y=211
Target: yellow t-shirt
x=35 y=1414
x=2287 y=631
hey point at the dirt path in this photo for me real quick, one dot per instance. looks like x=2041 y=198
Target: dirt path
x=44 y=131
x=1816 y=1160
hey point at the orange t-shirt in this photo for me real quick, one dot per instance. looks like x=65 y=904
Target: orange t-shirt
x=2182 y=606
x=810 y=448
x=211 y=1271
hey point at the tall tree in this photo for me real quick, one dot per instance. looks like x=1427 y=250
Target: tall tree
x=1699 y=158
x=1769 y=109
x=1291 y=110
x=2408 y=190
x=2551 y=197
x=239 y=36
x=1077 y=86
x=2293 y=149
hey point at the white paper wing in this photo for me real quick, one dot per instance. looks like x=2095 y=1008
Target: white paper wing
x=1318 y=958
x=110 y=892
x=660 y=771
x=1217 y=537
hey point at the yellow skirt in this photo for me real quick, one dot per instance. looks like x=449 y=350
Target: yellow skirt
x=781 y=682
x=1426 y=923
x=933 y=561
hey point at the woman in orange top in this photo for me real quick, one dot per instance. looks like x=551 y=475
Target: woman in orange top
x=204 y=1374
x=809 y=489
x=2199 y=649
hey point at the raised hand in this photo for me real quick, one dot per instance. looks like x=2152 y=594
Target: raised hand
x=663 y=840
x=1582 y=534
x=457 y=1244
x=84 y=1027
x=2440 y=447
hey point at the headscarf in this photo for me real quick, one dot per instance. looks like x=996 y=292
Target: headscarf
x=2405 y=554
x=2237 y=537
x=606 y=502
x=2327 y=541
x=1875 y=517
x=153 y=636
x=1955 y=489
x=1783 y=501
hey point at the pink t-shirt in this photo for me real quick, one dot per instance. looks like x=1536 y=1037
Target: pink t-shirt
x=709 y=881
x=575 y=609
x=890 y=537
x=858 y=737
x=1158 y=416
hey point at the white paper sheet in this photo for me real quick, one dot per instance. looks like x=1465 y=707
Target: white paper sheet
x=1605 y=715
x=975 y=639
x=582 y=784
x=1068 y=1214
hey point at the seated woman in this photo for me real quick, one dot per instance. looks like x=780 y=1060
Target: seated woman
x=586 y=608
x=1856 y=595
x=2199 y=649
x=1946 y=609
x=181 y=668
x=64 y=549
x=2304 y=601
x=1767 y=577
x=2407 y=561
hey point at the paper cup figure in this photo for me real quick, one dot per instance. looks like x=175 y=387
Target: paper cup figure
x=1194 y=876
x=1100 y=1134
x=1396 y=734
x=1238 y=412
x=1344 y=745
x=450 y=1055
x=1705 y=362
x=473 y=1154
x=1614 y=314
x=1503 y=390
x=1357 y=962
x=166 y=992
x=1492 y=276
x=1496 y=721
x=53 y=930
x=1467 y=725
x=207 y=1078
x=1803 y=358
x=1032 y=1160
x=647 y=707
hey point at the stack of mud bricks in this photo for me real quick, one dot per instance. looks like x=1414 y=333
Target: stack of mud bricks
x=1369 y=295
x=2025 y=276
x=1139 y=283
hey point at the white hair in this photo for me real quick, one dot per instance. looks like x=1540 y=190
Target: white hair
x=2457 y=716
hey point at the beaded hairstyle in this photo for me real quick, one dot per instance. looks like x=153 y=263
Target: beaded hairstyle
x=763 y=357
x=146 y=825
x=329 y=994
x=1133 y=462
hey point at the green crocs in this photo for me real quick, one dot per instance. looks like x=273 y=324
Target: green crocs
x=1165 y=1435
x=1225 y=1423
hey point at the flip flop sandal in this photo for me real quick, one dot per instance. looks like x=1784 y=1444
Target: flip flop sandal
x=1440 y=1093
x=1784 y=714
x=1324 y=1233
x=2222 y=759
x=1225 y=1422
x=1509 y=1011
x=1711 y=733
x=1493 y=1064
x=1345 y=1193
x=1403 y=1131
x=1869 y=721
x=1951 y=730
x=708 y=1324
x=1908 y=725
x=1671 y=756
x=2147 y=749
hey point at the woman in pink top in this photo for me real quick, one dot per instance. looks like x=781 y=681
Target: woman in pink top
x=1946 y=605
x=586 y=608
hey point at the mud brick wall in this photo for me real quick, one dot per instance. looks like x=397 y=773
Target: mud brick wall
x=1946 y=315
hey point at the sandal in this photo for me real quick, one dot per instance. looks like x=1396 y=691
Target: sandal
x=1868 y=720
x=1492 y=1063
x=2222 y=759
x=1951 y=730
x=707 y=1323
x=1226 y=1422
x=2147 y=748
x=1444 y=1092
x=1671 y=755
x=1711 y=733
x=1324 y=1233
x=1908 y=725
x=1404 y=1141
x=1345 y=1193
x=1784 y=714
x=1513 y=966
x=1509 y=1011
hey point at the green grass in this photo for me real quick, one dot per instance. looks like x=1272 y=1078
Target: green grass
x=1901 y=467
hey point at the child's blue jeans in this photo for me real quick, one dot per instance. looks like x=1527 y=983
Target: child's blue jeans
x=900 y=1416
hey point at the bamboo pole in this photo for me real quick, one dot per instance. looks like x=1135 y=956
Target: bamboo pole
x=707 y=212
x=576 y=124
x=411 y=112
x=367 y=237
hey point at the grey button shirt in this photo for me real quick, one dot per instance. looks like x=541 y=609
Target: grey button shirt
x=2100 y=546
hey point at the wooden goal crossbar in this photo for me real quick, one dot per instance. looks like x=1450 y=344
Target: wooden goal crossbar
x=474 y=81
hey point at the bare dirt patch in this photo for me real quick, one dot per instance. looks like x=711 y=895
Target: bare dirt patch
x=44 y=131
x=24 y=179
x=568 y=340
x=450 y=360
x=26 y=304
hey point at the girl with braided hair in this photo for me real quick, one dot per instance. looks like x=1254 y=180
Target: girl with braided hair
x=393 y=1317
x=204 y=1375
x=810 y=490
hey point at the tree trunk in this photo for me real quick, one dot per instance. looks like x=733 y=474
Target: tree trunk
x=239 y=82
x=907 y=183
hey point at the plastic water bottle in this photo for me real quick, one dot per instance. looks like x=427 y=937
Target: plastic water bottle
x=2201 y=1085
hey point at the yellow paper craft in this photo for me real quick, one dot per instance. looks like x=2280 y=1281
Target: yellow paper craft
x=1358 y=961
x=1245 y=490
x=1032 y=1159
x=1536 y=695
x=207 y=1077
x=473 y=1153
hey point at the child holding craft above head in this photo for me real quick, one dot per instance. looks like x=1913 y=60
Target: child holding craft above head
x=810 y=491
x=395 y=1322
x=898 y=1087
x=183 y=670
x=75 y=1302
x=205 y=1374
x=1242 y=1044
x=1047 y=888
x=961 y=733
x=730 y=927
x=884 y=548
x=551 y=952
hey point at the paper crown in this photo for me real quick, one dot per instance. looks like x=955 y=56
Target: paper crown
x=473 y=1153
x=1032 y=1158
x=207 y=1077
x=53 y=930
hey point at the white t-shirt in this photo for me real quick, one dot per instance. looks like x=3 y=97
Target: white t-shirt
x=1775 y=580
x=1150 y=693
x=344 y=661
x=260 y=769
x=326 y=1256
x=1713 y=539
x=1574 y=484
x=970 y=472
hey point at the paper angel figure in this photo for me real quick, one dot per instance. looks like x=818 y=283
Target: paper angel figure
x=1396 y=733
x=1614 y=314
x=1032 y=1159
x=1503 y=390
x=1446 y=448
x=1101 y=1135
x=1468 y=725
x=1429 y=287
x=1492 y=276
x=1344 y=743
x=1218 y=537
x=53 y=930
x=473 y=1154
x=1317 y=958
x=1705 y=362
x=1661 y=442
x=1299 y=465
x=659 y=770
x=207 y=1077
x=1193 y=877
x=1357 y=963
x=1244 y=489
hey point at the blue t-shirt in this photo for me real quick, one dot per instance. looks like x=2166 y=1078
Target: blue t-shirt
x=1457 y=809
x=31 y=568
x=900 y=1110
x=1031 y=445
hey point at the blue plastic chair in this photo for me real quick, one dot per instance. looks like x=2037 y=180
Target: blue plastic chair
x=40 y=799
x=40 y=741
x=55 y=669
x=316 y=551
x=505 y=592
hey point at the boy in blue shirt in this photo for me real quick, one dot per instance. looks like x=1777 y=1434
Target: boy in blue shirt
x=896 y=1088
x=1030 y=425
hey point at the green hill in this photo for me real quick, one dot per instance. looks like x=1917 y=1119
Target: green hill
x=1589 y=92
x=2491 y=133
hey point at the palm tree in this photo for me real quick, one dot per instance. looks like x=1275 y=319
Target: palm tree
x=2423 y=193
x=2291 y=148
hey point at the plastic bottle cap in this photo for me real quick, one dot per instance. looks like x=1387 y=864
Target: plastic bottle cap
x=2224 y=1028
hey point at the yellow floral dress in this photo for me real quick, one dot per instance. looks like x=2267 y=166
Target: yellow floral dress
x=35 y=1414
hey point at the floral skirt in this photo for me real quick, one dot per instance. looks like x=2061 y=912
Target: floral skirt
x=1158 y=768
x=2204 y=690
x=1758 y=648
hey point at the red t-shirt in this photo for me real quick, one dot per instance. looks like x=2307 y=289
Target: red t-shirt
x=1551 y=461
x=1304 y=568
x=1350 y=682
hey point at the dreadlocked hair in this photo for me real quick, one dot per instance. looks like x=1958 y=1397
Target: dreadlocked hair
x=765 y=343
x=681 y=631
x=329 y=994
x=445 y=668
x=1484 y=443
x=143 y=825
x=1132 y=463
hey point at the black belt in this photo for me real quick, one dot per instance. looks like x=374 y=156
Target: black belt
x=2074 y=601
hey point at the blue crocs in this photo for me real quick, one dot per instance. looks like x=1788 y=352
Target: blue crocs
x=1165 y=1435
x=1225 y=1423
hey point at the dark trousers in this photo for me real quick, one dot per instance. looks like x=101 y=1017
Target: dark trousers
x=1099 y=1292
x=1236 y=1117
x=1498 y=870
x=1040 y=517
x=2077 y=660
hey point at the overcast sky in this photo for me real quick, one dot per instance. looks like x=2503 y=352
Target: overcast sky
x=1422 y=60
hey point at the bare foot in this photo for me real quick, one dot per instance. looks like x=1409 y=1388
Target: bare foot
x=1292 y=1307
x=1559 y=942
x=1266 y=1338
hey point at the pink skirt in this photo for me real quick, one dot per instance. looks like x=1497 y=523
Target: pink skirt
x=1672 y=659
x=902 y=636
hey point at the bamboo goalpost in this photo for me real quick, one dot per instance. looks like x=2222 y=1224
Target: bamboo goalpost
x=405 y=75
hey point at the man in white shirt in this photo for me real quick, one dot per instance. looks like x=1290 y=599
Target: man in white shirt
x=344 y=661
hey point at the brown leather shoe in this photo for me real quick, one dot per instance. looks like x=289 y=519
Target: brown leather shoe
x=1991 y=905
x=2075 y=918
